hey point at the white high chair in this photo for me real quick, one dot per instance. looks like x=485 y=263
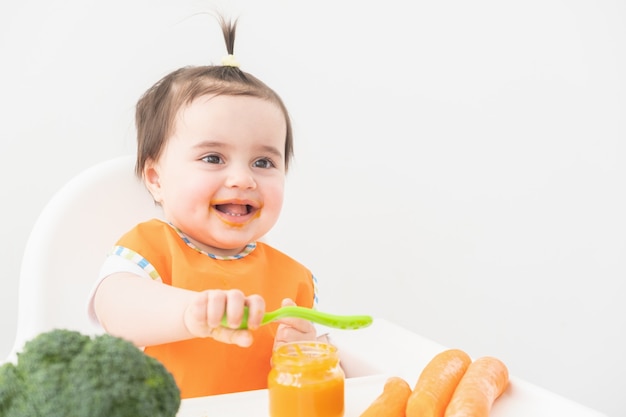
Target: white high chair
x=69 y=242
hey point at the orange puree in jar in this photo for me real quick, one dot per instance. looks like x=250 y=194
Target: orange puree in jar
x=306 y=381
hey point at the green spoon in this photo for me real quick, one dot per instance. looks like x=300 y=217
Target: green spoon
x=325 y=319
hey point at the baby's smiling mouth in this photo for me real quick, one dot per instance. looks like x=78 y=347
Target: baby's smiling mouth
x=236 y=210
x=236 y=213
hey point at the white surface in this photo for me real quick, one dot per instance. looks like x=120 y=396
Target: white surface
x=255 y=403
x=382 y=350
x=459 y=164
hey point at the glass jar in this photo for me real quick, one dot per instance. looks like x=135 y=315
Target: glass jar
x=306 y=380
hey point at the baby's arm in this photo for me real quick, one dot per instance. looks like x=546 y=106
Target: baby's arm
x=150 y=313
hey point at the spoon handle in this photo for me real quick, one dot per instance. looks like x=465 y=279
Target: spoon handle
x=325 y=319
x=319 y=317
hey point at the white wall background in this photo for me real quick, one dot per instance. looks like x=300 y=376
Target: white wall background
x=459 y=165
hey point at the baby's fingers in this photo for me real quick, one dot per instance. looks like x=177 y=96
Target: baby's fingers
x=256 y=309
x=239 y=337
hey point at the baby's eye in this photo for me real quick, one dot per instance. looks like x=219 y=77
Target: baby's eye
x=263 y=163
x=213 y=159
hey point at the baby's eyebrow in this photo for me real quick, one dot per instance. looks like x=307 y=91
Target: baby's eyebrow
x=208 y=144
x=272 y=151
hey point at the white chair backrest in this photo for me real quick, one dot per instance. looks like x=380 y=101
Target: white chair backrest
x=70 y=240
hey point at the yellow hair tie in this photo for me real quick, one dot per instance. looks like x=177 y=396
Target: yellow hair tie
x=230 y=61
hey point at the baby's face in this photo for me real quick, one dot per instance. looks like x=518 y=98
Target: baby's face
x=221 y=176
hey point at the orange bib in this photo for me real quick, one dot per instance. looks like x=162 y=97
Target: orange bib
x=203 y=366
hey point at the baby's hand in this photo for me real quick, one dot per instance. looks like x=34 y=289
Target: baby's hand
x=203 y=317
x=292 y=329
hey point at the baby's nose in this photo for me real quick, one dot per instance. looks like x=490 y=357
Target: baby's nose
x=240 y=177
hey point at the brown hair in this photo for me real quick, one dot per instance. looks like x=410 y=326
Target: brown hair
x=156 y=110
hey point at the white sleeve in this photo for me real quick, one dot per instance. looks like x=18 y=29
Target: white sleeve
x=112 y=264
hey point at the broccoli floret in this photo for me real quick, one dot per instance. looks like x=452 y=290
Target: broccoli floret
x=63 y=373
x=9 y=382
x=42 y=373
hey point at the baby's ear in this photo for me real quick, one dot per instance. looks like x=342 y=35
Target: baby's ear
x=151 y=179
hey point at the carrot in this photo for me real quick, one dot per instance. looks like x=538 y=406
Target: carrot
x=437 y=383
x=483 y=382
x=392 y=401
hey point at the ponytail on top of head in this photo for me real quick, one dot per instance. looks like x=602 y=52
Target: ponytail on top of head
x=229 y=28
